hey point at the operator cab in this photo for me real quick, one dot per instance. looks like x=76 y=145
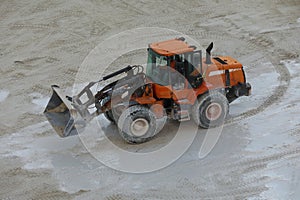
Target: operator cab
x=174 y=62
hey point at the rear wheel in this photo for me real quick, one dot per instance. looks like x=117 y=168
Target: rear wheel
x=137 y=124
x=210 y=110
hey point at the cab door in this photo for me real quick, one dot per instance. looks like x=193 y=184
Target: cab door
x=186 y=76
x=178 y=80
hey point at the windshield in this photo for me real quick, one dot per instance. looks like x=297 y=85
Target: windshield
x=157 y=68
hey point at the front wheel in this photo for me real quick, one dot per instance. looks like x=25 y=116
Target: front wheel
x=210 y=109
x=137 y=124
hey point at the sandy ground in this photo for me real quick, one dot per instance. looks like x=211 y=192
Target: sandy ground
x=45 y=42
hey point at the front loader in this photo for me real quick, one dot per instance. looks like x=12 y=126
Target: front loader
x=177 y=83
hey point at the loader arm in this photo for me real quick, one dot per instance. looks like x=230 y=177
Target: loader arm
x=68 y=114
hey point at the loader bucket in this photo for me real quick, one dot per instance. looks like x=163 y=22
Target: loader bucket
x=58 y=113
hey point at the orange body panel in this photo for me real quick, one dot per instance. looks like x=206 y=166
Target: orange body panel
x=166 y=92
x=162 y=92
x=145 y=100
x=214 y=74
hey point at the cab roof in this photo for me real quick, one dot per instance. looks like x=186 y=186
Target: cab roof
x=171 y=47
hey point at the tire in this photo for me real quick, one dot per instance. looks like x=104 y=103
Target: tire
x=116 y=111
x=137 y=124
x=210 y=109
x=109 y=115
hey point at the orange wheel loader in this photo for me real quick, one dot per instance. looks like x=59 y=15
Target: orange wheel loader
x=177 y=84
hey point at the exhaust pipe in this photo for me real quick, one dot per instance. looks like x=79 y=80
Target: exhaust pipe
x=208 y=53
x=60 y=113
